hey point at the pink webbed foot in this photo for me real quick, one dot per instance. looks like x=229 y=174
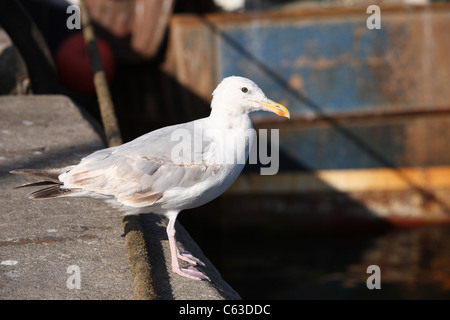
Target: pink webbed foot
x=190 y=273
x=188 y=257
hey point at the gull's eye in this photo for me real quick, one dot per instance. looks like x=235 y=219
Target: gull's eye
x=244 y=89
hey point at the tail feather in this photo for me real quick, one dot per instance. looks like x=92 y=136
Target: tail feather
x=48 y=177
x=34 y=184
x=44 y=174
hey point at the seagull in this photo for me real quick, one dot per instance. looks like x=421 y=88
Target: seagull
x=171 y=169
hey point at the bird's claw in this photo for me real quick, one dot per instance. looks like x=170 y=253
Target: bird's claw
x=188 y=257
x=190 y=273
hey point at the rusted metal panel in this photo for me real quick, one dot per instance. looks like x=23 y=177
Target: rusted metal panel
x=347 y=181
x=411 y=194
x=335 y=200
x=323 y=61
x=144 y=21
x=402 y=142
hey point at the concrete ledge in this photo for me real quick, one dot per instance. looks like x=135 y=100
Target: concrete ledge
x=39 y=240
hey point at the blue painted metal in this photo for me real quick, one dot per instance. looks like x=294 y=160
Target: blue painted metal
x=332 y=63
x=368 y=146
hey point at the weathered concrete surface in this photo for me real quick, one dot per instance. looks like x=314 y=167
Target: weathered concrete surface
x=44 y=238
x=40 y=239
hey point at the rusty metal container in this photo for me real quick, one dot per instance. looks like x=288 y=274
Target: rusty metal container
x=144 y=21
x=369 y=134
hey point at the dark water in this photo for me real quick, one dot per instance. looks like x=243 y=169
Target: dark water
x=414 y=262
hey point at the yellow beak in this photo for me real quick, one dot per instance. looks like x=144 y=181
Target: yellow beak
x=275 y=107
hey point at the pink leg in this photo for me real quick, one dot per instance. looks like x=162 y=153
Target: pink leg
x=190 y=272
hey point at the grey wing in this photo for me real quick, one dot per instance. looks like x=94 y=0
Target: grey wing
x=139 y=172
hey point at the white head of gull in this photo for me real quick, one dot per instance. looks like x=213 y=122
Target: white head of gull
x=160 y=173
